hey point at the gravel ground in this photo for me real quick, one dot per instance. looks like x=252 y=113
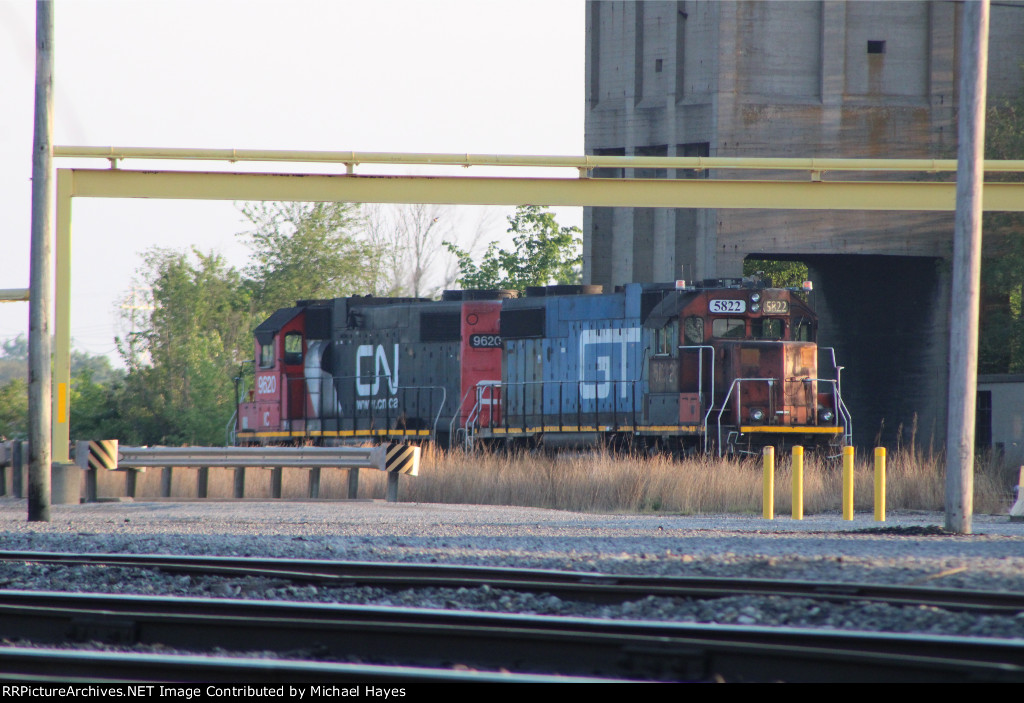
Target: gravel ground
x=910 y=548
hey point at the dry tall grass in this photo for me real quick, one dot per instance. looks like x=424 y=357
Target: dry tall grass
x=602 y=482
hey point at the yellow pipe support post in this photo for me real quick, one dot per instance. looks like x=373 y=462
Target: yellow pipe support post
x=879 y=484
x=768 y=485
x=61 y=425
x=847 y=483
x=798 y=483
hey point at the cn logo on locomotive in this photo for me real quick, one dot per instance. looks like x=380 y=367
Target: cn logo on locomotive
x=381 y=367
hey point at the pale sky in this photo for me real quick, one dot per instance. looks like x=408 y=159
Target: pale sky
x=430 y=76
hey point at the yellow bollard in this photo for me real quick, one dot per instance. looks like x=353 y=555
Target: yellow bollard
x=879 y=484
x=768 y=485
x=847 y=483
x=798 y=483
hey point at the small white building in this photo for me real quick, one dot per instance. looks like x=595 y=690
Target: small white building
x=1000 y=416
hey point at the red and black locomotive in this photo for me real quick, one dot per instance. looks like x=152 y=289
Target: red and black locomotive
x=719 y=365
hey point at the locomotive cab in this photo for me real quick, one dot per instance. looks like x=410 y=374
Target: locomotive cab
x=765 y=383
x=277 y=401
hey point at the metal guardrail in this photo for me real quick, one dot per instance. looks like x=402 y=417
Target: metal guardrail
x=393 y=459
x=248 y=457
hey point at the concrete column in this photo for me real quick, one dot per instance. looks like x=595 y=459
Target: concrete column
x=888 y=319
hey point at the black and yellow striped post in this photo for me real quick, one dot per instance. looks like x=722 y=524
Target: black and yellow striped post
x=103 y=454
x=400 y=459
x=93 y=456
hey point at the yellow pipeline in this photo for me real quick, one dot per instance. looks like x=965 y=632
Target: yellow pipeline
x=879 y=484
x=847 y=483
x=535 y=161
x=768 y=485
x=798 y=483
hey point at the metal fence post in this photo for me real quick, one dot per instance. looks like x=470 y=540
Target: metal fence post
x=768 y=485
x=798 y=482
x=392 y=490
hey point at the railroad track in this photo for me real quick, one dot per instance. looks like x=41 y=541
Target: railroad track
x=41 y=666
x=446 y=640
x=436 y=641
x=590 y=587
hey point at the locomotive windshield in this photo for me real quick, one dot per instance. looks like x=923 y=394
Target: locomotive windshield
x=693 y=330
x=267 y=354
x=293 y=348
x=803 y=330
x=729 y=327
x=768 y=328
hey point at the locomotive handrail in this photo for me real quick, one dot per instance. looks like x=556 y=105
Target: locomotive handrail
x=615 y=384
x=739 y=408
x=475 y=411
x=700 y=382
x=334 y=382
x=841 y=410
x=398 y=388
x=841 y=406
x=229 y=430
x=455 y=417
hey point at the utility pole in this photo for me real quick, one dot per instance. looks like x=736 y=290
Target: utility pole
x=40 y=276
x=963 y=343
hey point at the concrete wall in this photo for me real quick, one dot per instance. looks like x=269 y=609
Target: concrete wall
x=888 y=320
x=857 y=79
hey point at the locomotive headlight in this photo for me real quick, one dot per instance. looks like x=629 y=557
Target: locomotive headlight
x=825 y=415
x=755 y=297
x=755 y=307
x=756 y=414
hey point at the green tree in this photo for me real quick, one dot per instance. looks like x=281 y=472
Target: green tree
x=184 y=353
x=193 y=331
x=778 y=274
x=16 y=348
x=92 y=371
x=303 y=251
x=543 y=252
x=14 y=409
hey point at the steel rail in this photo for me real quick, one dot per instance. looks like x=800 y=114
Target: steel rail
x=115 y=153
x=591 y=587
x=555 y=645
x=38 y=665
